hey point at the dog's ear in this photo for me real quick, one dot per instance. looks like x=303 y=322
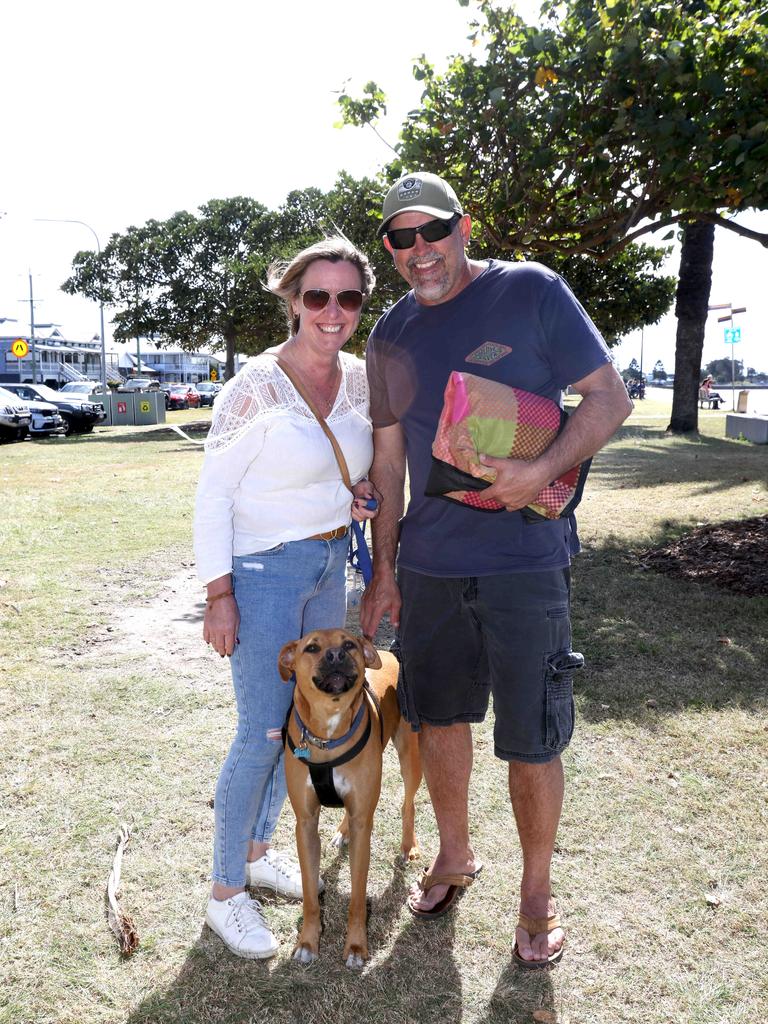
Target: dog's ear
x=372 y=659
x=286 y=660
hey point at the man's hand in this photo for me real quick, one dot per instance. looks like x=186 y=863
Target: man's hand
x=381 y=597
x=517 y=482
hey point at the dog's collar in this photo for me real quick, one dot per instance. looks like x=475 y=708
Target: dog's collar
x=317 y=741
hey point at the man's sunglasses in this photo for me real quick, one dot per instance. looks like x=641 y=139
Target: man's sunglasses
x=432 y=231
x=315 y=299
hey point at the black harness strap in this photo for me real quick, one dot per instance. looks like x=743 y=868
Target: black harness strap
x=322 y=774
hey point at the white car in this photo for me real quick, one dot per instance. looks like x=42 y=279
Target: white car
x=44 y=417
x=83 y=388
x=15 y=417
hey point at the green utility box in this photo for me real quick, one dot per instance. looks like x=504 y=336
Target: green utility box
x=123 y=412
x=149 y=407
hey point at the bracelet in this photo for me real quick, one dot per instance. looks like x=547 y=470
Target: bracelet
x=225 y=593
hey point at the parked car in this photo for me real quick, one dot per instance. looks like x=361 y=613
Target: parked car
x=140 y=384
x=208 y=392
x=86 y=388
x=45 y=419
x=79 y=415
x=176 y=397
x=15 y=417
x=182 y=396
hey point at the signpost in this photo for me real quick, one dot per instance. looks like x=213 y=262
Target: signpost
x=732 y=337
x=20 y=349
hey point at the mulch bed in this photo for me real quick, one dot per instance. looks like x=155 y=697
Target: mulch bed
x=733 y=556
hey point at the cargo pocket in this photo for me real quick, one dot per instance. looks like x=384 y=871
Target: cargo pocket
x=559 y=715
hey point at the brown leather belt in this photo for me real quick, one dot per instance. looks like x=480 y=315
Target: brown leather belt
x=336 y=534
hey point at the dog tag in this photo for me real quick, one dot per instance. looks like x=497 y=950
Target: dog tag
x=302 y=753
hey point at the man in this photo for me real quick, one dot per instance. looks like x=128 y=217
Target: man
x=485 y=597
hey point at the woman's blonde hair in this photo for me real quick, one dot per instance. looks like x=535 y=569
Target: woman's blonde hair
x=284 y=276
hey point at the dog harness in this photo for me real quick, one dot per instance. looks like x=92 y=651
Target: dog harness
x=322 y=774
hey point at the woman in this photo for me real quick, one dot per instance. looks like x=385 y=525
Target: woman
x=271 y=536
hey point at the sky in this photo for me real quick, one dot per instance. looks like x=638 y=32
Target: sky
x=115 y=113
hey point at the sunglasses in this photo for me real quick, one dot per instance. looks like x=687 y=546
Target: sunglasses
x=315 y=299
x=432 y=231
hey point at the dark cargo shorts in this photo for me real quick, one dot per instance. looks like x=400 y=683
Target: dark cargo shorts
x=462 y=639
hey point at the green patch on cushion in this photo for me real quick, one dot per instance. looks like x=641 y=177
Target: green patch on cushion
x=492 y=436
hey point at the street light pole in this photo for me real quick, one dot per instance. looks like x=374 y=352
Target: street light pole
x=62 y=220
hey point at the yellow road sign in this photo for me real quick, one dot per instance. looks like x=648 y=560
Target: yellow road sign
x=19 y=348
x=214 y=375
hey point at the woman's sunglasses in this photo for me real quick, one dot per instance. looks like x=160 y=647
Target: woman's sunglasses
x=315 y=299
x=432 y=231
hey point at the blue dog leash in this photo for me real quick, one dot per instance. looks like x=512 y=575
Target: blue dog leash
x=358 y=556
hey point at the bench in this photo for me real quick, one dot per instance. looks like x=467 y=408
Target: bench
x=712 y=401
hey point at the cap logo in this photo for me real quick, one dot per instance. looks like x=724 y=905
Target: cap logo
x=409 y=189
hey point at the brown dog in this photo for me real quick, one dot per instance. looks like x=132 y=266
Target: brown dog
x=330 y=665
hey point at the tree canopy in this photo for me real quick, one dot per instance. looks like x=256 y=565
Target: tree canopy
x=189 y=280
x=197 y=278
x=612 y=119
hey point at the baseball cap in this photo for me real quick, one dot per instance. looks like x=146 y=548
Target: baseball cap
x=421 y=192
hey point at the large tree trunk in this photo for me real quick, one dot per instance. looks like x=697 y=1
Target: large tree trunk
x=693 y=289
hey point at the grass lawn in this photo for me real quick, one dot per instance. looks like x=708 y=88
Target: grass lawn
x=113 y=711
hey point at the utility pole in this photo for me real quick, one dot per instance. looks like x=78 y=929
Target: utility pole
x=61 y=220
x=32 y=329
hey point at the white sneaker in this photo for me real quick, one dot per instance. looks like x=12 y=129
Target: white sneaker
x=278 y=872
x=240 y=926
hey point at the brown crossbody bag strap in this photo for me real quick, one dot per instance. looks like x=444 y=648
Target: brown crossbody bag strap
x=296 y=381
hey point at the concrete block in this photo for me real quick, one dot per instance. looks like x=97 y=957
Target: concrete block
x=753 y=428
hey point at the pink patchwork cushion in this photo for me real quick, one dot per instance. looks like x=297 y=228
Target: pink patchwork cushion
x=483 y=416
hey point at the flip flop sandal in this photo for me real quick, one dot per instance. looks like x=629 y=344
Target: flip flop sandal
x=457 y=884
x=535 y=926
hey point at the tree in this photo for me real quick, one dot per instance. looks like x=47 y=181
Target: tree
x=190 y=279
x=721 y=370
x=611 y=121
x=632 y=372
x=659 y=373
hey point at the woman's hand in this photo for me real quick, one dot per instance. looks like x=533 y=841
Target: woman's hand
x=222 y=617
x=363 y=492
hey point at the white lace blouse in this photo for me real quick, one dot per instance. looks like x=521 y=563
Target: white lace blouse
x=269 y=473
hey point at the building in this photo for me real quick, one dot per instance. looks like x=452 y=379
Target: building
x=58 y=359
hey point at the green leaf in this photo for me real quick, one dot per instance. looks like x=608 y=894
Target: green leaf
x=713 y=83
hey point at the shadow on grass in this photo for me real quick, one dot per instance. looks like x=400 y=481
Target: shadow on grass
x=518 y=994
x=418 y=980
x=655 y=645
x=198 y=430
x=716 y=463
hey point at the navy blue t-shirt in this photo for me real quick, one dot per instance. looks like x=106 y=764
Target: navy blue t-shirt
x=517 y=323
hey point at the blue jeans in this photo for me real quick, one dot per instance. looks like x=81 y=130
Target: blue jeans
x=282 y=594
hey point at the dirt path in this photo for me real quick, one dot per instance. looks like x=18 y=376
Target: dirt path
x=170 y=625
